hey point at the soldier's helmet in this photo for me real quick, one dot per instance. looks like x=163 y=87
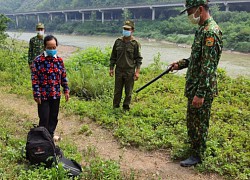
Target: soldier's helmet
x=129 y=24
x=193 y=3
x=40 y=26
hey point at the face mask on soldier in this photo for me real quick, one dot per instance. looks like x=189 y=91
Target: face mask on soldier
x=126 y=33
x=40 y=33
x=193 y=19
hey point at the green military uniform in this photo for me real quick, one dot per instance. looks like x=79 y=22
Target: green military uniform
x=125 y=57
x=201 y=79
x=36 y=46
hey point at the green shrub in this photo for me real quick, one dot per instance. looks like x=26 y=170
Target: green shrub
x=88 y=75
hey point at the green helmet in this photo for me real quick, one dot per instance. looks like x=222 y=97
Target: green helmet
x=40 y=26
x=193 y=3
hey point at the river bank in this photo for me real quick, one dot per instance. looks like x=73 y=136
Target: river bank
x=65 y=51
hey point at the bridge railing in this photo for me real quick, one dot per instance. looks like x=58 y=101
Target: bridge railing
x=181 y=1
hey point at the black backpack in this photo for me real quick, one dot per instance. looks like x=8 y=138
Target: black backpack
x=40 y=147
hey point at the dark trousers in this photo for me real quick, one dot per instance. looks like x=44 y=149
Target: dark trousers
x=48 y=112
x=198 y=124
x=123 y=78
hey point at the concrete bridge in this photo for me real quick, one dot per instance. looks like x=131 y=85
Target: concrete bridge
x=143 y=11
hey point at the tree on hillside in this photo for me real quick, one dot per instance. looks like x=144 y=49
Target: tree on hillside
x=126 y=14
x=3 y=26
x=9 y=6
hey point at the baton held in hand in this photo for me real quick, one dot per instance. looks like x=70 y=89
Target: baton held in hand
x=153 y=80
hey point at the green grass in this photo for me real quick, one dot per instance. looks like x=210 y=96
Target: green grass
x=15 y=78
x=13 y=132
x=157 y=116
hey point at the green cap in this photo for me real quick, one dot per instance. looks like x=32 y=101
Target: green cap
x=129 y=24
x=40 y=26
x=194 y=3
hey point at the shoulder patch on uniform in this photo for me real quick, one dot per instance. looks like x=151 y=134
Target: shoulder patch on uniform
x=209 y=41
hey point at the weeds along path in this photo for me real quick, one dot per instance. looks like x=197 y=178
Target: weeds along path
x=150 y=165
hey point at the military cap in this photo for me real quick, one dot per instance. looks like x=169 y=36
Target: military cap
x=193 y=3
x=40 y=26
x=129 y=24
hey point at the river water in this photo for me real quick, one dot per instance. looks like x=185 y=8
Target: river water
x=235 y=64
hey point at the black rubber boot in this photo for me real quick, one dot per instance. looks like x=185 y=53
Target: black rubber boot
x=116 y=106
x=126 y=107
x=191 y=161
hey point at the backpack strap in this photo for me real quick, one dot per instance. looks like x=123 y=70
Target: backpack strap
x=74 y=168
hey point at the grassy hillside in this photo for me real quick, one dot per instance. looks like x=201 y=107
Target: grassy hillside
x=157 y=118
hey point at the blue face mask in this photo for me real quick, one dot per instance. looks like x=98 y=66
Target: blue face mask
x=126 y=33
x=51 y=52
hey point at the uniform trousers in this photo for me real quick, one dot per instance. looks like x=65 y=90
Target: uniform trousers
x=198 y=124
x=48 y=114
x=123 y=78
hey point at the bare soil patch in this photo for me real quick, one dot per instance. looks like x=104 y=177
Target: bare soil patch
x=66 y=51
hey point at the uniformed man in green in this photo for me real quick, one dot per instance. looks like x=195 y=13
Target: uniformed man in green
x=36 y=44
x=126 y=58
x=201 y=83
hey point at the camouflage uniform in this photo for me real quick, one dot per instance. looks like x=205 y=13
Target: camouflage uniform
x=201 y=81
x=125 y=57
x=35 y=48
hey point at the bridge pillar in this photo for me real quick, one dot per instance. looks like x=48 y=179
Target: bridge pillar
x=66 y=16
x=16 y=21
x=227 y=6
x=38 y=18
x=83 y=18
x=153 y=13
x=102 y=16
x=51 y=17
x=111 y=16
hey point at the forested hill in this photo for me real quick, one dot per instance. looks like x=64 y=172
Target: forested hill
x=10 y=6
x=38 y=5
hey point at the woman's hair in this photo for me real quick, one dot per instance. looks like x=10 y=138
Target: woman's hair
x=49 y=38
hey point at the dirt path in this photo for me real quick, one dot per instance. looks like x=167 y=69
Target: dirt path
x=150 y=164
x=66 y=51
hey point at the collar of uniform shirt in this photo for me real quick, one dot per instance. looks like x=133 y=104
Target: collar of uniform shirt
x=45 y=54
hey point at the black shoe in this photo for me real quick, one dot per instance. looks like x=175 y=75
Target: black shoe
x=126 y=107
x=191 y=161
